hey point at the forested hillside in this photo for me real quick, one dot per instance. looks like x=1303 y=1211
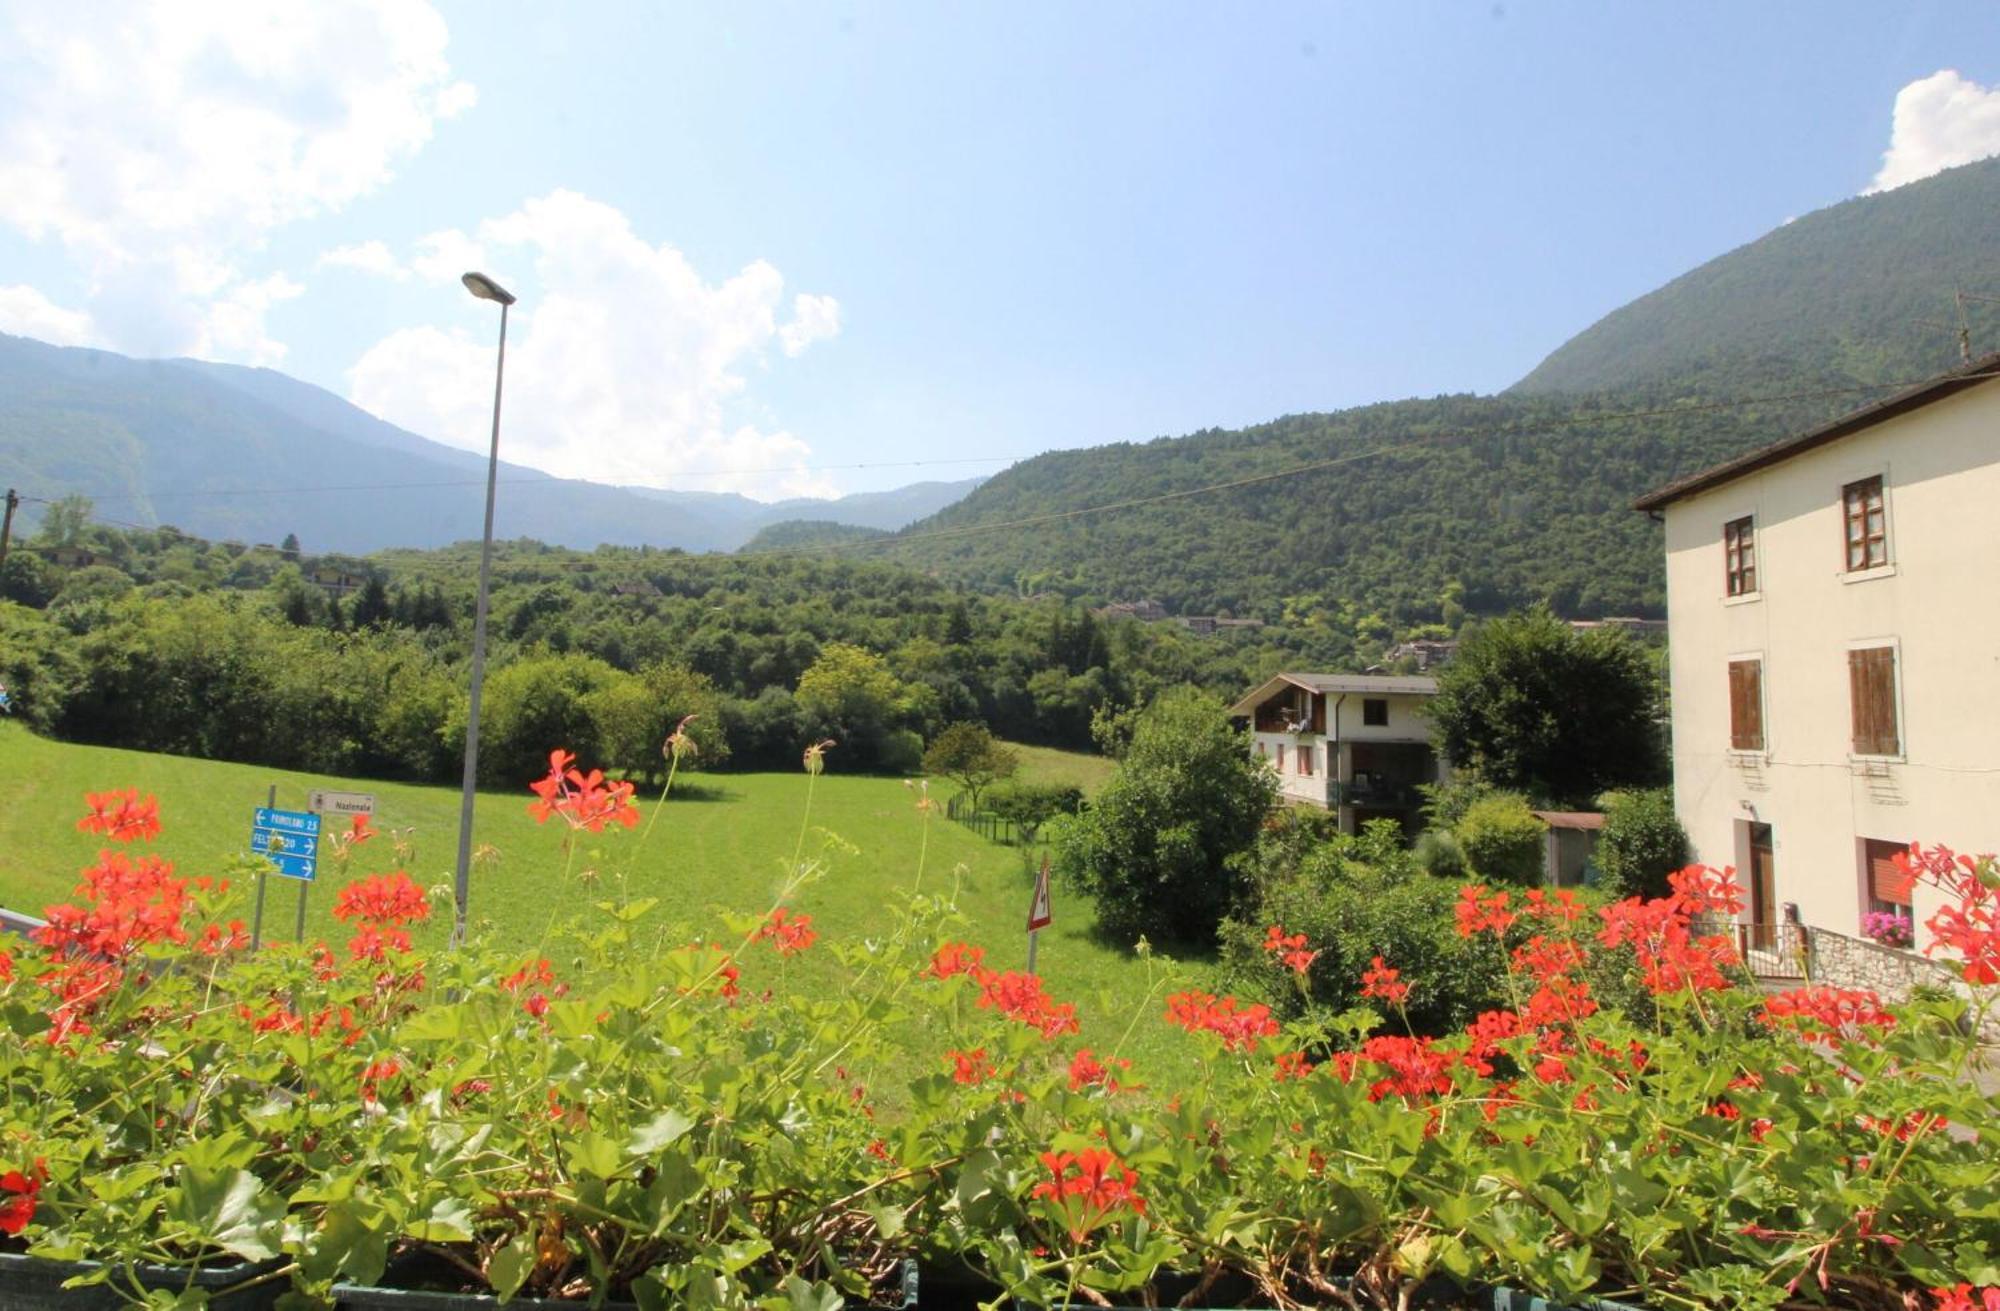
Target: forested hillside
x=1419 y=512
x=1835 y=296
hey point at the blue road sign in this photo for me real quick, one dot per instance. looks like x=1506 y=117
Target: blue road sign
x=289 y=839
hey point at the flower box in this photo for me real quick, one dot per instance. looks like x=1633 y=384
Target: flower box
x=33 y=1283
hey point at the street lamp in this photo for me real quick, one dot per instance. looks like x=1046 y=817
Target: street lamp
x=486 y=289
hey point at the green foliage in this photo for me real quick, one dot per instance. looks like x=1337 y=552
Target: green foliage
x=1031 y=805
x=851 y=695
x=1642 y=842
x=967 y=754
x=1530 y=703
x=1154 y=848
x=1838 y=295
x=634 y=715
x=1356 y=898
x=1437 y=853
x=1502 y=840
x=536 y=703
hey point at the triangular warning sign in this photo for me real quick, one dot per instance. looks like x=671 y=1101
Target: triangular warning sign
x=1039 y=916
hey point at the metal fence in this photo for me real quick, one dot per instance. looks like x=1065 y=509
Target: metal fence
x=993 y=828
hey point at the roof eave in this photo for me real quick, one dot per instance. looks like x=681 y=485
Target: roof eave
x=1936 y=389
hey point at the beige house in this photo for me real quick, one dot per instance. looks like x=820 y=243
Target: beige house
x=1357 y=744
x=1835 y=652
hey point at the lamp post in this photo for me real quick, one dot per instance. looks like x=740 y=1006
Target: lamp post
x=486 y=289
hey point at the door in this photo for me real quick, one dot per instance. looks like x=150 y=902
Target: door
x=1763 y=889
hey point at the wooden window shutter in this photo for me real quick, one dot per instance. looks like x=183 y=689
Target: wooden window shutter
x=1886 y=883
x=1871 y=682
x=1746 y=705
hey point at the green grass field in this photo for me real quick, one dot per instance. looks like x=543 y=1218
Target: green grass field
x=725 y=844
x=1074 y=768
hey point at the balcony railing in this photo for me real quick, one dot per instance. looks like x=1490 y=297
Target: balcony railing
x=1383 y=795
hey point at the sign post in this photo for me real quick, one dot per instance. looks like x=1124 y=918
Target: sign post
x=289 y=839
x=257 y=920
x=1039 y=912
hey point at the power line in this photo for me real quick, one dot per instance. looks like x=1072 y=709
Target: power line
x=297 y=489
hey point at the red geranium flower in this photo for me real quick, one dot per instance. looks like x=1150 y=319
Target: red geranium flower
x=1088 y=1188
x=584 y=801
x=17 y=1206
x=121 y=816
x=788 y=932
x=1379 y=981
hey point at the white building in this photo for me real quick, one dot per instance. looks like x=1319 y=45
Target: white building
x=1834 y=611
x=1354 y=743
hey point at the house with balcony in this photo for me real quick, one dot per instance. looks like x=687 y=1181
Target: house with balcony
x=1834 y=653
x=1356 y=744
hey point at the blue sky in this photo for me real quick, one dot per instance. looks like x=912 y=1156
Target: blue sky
x=1013 y=228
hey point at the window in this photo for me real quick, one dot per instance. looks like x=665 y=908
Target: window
x=1867 y=524
x=1305 y=762
x=1871 y=685
x=1888 y=886
x=1739 y=555
x=1262 y=753
x=1281 y=757
x=1375 y=712
x=1746 y=705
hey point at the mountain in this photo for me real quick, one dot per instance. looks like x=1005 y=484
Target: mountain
x=1835 y=296
x=794 y=534
x=1379 y=519
x=251 y=454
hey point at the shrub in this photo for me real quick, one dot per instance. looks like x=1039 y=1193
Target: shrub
x=1438 y=854
x=1502 y=839
x=1031 y=805
x=1154 y=849
x=1356 y=898
x=1642 y=842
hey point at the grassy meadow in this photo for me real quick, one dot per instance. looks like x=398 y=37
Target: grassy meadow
x=723 y=841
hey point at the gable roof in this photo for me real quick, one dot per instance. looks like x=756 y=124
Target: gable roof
x=1984 y=369
x=1335 y=684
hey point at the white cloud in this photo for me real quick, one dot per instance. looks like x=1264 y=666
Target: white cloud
x=814 y=318
x=25 y=312
x=446 y=256
x=624 y=365
x=365 y=257
x=158 y=143
x=1940 y=121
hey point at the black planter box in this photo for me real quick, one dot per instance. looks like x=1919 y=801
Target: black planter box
x=31 y=1283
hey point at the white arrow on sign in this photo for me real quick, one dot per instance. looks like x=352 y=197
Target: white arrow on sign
x=341 y=803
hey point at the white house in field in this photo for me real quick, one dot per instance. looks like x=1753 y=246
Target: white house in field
x=1834 y=640
x=1357 y=744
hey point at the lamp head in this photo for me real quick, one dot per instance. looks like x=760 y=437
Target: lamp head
x=486 y=288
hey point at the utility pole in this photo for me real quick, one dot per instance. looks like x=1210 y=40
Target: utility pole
x=7 y=524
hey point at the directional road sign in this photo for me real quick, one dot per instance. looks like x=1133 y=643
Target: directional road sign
x=340 y=803
x=289 y=839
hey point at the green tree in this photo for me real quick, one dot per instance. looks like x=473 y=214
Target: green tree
x=1642 y=842
x=1532 y=704
x=635 y=714
x=1502 y=839
x=64 y=522
x=1154 y=849
x=1031 y=805
x=966 y=754
x=851 y=695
